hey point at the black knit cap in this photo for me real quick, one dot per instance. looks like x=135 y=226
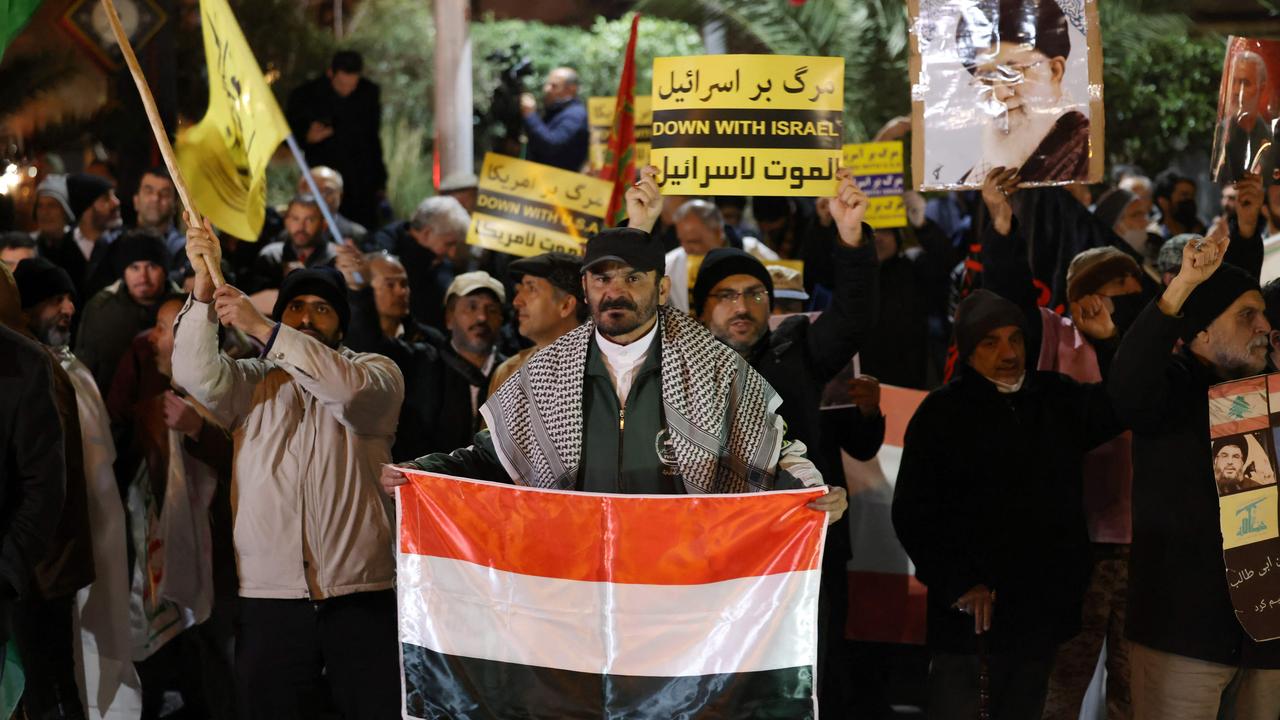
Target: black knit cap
x=138 y=246
x=980 y=313
x=560 y=269
x=83 y=190
x=720 y=264
x=323 y=282
x=38 y=280
x=1212 y=297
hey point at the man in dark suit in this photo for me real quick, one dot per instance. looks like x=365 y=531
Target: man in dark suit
x=336 y=120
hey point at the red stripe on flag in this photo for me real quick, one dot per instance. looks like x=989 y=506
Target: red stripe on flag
x=650 y=540
x=619 y=156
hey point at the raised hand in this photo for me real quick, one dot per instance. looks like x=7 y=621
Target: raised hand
x=848 y=208
x=350 y=262
x=644 y=201
x=1092 y=315
x=999 y=185
x=1249 y=199
x=235 y=310
x=201 y=244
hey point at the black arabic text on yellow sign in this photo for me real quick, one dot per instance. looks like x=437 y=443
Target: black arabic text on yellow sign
x=526 y=208
x=747 y=124
x=600 y=118
x=877 y=169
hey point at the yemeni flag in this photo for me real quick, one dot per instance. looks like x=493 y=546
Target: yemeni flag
x=620 y=153
x=519 y=602
x=14 y=15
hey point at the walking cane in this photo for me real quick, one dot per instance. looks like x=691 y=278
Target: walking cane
x=984 y=680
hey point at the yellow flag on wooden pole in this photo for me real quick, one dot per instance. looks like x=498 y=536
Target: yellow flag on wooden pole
x=224 y=157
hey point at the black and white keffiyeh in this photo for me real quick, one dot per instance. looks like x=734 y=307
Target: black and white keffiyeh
x=720 y=413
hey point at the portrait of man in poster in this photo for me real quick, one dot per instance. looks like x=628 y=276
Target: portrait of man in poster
x=1245 y=121
x=1006 y=83
x=1016 y=53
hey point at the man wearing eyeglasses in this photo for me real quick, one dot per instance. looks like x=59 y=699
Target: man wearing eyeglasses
x=1018 y=60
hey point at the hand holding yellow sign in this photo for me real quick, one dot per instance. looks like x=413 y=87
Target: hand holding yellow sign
x=877 y=169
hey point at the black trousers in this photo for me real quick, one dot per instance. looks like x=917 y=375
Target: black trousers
x=1017 y=686
x=44 y=632
x=302 y=659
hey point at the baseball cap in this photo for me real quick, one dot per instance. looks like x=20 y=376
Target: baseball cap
x=467 y=283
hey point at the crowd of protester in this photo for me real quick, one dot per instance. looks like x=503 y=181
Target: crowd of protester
x=1054 y=490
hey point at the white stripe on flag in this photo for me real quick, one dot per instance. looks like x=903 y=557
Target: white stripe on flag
x=755 y=623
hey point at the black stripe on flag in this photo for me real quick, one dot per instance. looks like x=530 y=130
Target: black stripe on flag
x=748 y=128
x=439 y=686
x=537 y=214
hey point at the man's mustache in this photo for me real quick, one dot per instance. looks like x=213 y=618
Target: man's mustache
x=618 y=304
x=480 y=326
x=742 y=316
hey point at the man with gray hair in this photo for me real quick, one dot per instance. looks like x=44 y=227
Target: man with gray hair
x=700 y=229
x=425 y=244
x=1246 y=131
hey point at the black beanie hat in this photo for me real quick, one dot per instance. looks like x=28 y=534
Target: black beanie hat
x=980 y=313
x=38 y=280
x=720 y=264
x=83 y=189
x=135 y=247
x=1212 y=297
x=324 y=282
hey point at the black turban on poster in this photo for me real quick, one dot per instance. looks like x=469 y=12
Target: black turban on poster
x=1019 y=22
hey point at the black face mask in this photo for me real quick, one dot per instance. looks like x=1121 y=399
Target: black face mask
x=1125 y=309
x=1184 y=212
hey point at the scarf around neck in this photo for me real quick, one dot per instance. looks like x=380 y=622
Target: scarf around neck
x=721 y=415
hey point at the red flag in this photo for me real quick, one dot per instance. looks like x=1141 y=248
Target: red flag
x=620 y=154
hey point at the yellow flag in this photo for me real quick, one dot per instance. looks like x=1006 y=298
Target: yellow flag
x=224 y=157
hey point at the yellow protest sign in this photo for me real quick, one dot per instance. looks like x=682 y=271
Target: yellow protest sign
x=224 y=157
x=527 y=208
x=877 y=169
x=600 y=117
x=747 y=124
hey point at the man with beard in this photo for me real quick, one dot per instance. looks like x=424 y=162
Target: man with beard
x=1229 y=471
x=1017 y=60
x=637 y=393
x=1185 y=644
x=473 y=316
x=115 y=315
x=311 y=423
x=53 y=210
x=84 y=251
x=304 y=245
x=43 y=621
x=1247 y=133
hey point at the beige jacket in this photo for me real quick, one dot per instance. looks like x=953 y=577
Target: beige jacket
x=311 y=427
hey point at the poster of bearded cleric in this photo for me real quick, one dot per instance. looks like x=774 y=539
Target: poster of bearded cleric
x=1005 y=83
x=1248 y=104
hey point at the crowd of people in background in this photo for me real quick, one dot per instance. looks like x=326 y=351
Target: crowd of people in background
x=1054 y=491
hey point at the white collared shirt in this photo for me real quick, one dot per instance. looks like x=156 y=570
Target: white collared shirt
x=85 y=245
x=623 y=361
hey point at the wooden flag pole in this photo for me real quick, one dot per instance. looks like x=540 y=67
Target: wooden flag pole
x=157 y=129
